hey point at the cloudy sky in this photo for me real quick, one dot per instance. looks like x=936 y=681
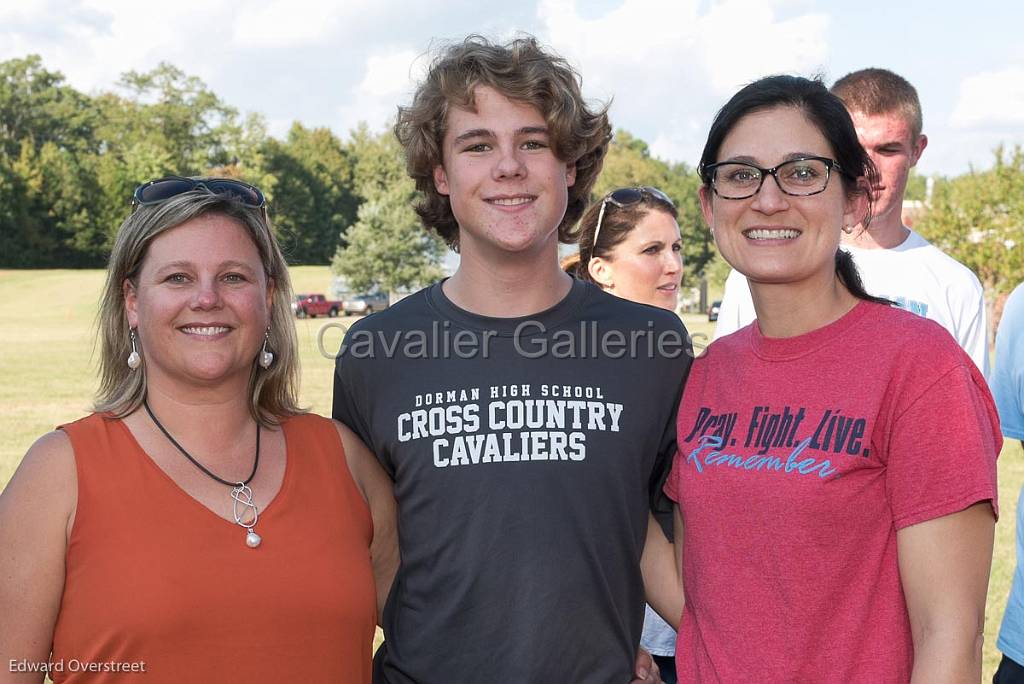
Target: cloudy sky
x=667 y=64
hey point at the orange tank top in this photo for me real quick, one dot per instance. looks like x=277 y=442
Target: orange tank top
x=158 y=588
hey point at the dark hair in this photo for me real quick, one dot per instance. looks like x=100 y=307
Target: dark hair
x=830 y=117
x=616 y=226
x=880 y=91
x=523 y=71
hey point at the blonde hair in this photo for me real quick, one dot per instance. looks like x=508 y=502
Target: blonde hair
x=273 y=392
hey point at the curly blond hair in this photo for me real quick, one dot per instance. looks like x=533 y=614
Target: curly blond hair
x=522 y=71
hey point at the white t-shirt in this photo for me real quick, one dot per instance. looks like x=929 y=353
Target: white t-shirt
x=916 y=275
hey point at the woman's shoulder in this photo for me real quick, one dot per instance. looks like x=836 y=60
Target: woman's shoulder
x=910 y=332
x=305 y=419
x=315 y=426
x=872 y=332
x=329 y=432
x=53 y=448
x=333 y=438
x=308 y=424
x=921 y=354
x=736 y=342
x=90 y=424
x=47 y=472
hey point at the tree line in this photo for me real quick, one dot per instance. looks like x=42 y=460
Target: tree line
x=69 y=162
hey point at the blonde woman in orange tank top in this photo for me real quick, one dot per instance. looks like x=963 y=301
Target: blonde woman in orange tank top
x=199 y=526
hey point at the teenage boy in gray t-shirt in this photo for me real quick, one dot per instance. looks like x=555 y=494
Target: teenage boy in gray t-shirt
x=525 y=417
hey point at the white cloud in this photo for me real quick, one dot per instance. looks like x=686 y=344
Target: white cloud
x=388 y=80
x=291 y=23
x=741 y=40
x=17 y=11
x=991 y=97
x=387 y=75
x=92 y=42
x=671 y=63
x=668 y=64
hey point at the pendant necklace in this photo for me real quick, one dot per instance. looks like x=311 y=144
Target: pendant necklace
x=242 y=508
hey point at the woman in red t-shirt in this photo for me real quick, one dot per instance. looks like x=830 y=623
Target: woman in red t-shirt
x=835 y=480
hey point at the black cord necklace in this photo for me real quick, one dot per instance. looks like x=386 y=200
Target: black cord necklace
x=243 y=509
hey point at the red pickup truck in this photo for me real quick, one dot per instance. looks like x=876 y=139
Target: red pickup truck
x=314 y=305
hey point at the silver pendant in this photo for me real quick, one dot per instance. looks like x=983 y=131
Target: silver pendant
x=245 y=513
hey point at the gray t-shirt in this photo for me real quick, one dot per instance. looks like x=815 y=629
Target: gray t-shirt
x=524 y=452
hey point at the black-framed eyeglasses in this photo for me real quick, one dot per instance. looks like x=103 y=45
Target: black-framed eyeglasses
x=797 y=177
x=163 y=189
x=624 y=197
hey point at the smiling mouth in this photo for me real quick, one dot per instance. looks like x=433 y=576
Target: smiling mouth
x=511 y=201
x=205 y=331
x=771 y=234
x=671 y=287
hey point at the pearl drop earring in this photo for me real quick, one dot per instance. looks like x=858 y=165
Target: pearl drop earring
x=134 y=359
x=266 y=356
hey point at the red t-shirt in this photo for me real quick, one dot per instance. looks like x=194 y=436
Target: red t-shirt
x=799 y=459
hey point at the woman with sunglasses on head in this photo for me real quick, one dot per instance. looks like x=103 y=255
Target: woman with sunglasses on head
x=630 y=246
x=835 y=480
x=199 y=526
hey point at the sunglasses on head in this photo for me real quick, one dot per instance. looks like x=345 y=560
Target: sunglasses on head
x=163 y=189
x=624 y=197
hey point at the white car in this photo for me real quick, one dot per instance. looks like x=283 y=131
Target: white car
x=365 y=304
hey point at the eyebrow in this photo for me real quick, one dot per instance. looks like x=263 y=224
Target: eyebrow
x=745 y=159
x=241 y=265
x=650 y=243
x=473 y=133
x=487 y=133
x=222 y=266
x=532 y=130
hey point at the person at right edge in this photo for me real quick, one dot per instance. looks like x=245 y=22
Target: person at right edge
x=894 y=261
x=1008 y=389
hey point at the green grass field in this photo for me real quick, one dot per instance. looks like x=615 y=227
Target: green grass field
x=48 y=370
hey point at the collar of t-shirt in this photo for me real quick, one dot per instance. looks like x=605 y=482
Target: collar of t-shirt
x=548 y=319
x=785 y=348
